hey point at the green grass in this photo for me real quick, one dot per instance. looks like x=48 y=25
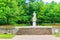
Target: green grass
x=45 y=24
x=57 y=34
x=7 y=35
x=22 y=25
x=15 y=25
x=49 y=24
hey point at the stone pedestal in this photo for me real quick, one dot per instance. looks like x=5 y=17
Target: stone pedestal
x=34 y=23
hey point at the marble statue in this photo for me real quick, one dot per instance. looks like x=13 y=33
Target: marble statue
x=34 y=19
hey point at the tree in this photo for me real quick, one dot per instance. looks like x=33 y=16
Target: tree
x=8 y=10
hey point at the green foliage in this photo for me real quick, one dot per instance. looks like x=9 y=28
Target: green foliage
x=20 y=12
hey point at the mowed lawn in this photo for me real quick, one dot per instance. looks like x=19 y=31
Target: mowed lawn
x=7 y=35
x=57 y=34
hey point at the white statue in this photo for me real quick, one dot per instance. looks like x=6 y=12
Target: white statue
x=34 y=19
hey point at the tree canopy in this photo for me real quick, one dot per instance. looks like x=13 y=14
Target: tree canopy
x=18 y=11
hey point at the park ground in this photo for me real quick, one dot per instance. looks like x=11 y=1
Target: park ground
x=34 y=37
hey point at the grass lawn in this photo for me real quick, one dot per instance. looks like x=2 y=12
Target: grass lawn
x=13 y=26
x=57 y=34
x=22 y=25
x=7 y=35
x=49 y=24
x=17 y=25
x=45 y=24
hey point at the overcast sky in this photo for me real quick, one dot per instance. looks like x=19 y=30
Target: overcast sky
x=51 y=0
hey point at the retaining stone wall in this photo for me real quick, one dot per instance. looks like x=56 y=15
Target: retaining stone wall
x=34 y=31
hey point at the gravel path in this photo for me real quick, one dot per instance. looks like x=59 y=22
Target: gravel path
x=34 y=37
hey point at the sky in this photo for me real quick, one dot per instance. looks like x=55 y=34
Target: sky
x=51 y=0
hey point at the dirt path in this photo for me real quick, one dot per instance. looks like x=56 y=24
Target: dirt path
x=34 y=37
